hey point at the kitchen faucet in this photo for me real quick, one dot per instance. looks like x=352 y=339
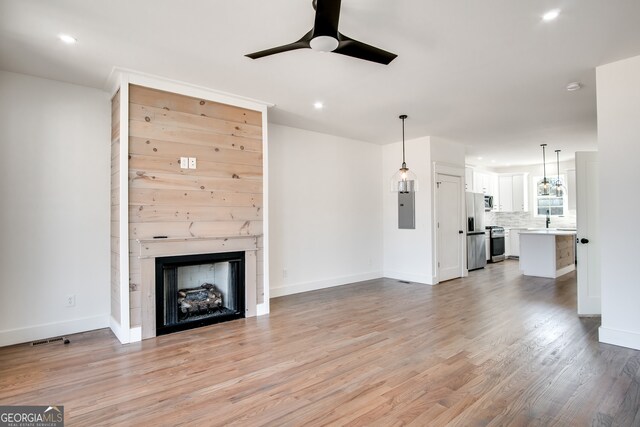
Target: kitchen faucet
x=548 y=220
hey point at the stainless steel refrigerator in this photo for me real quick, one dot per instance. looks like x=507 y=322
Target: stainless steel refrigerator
x=476 y=249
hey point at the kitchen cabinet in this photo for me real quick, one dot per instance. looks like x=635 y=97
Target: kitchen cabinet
x=514 y=242
x=494 y=187
x=507 y=243
x=484 y=182
x=480 y=182
x=512 y=191
x=547 y=253
x=487 y=242
x=520 y=199
x=468 y=179
x=505 y=184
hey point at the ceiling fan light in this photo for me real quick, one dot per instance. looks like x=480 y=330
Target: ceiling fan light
x=573 y=86
x=324 y=43
x=66 y=38
x=551 y=15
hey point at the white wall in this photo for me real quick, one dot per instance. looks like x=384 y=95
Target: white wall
x=618 y=86
x=410 y=254
x=55 y=165
x=325 y=219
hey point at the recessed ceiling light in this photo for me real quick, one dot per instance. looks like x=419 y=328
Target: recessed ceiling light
x=493 y=161
x=573 y=86
x=318 y=105
x=551 y=15
x=67 y=38
x=479 y=158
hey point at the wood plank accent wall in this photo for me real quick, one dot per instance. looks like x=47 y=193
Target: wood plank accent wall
x=565 y=251
x=115 y=206
x=222 y=197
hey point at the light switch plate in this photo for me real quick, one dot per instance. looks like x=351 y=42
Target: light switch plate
x=192 y=162
x=184 y=162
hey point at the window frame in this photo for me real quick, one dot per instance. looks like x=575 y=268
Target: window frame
x=536 y=197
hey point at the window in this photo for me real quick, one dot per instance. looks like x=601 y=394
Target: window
x=552 y=204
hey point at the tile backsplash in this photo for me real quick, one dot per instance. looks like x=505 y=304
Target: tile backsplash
x=527 y=220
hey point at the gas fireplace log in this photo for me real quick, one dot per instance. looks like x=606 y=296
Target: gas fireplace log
x=195 y=300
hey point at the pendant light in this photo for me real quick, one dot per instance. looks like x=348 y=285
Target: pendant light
x=559 y=186
x=404 y=181
x=543 y=187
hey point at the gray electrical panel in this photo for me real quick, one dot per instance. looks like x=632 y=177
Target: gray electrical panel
x=407 y=210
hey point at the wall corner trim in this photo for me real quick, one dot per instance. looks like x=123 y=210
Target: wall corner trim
x=121 y=334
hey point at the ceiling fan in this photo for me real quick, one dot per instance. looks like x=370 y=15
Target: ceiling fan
x=324 y=37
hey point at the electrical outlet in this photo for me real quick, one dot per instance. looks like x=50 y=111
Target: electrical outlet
x=71 y=301
x=184 y=163
x=285 y=274
x=192 y=162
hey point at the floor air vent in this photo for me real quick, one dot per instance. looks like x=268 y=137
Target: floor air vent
x=404 y=281
x=50 y=340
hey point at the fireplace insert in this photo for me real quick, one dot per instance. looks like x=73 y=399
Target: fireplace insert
x=198 y=290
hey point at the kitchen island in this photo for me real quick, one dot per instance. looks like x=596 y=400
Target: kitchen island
x=547 y=253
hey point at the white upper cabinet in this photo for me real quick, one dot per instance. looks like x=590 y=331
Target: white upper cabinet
x=505 y=183
x=520 y=199
x=468 y=179
x=483 y=182
x=512 y=190
x=480 y=182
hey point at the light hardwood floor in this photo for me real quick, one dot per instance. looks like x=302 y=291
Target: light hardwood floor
x=495 y=348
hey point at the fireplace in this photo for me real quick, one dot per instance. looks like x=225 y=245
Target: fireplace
x=199 y=290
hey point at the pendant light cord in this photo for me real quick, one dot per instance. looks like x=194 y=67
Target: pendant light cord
x=544 y=163
x=558 y=164
x=404 y=163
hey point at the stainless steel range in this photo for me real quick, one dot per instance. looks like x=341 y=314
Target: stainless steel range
x=496 y=239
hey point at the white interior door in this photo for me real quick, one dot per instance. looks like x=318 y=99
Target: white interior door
x=449 y=222
x=588 y=224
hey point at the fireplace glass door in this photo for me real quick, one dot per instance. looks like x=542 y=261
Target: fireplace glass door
x=198 y=290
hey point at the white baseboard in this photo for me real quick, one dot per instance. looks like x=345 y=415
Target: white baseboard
x=621 y=338
x=262 y=309
x=565 y=270
x=117 y=330
x=415 y=278
x=321 y=284
x=54 y=329
x=135 y=334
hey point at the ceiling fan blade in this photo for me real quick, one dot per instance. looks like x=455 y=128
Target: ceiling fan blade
x=356 y=49
x=303 y=43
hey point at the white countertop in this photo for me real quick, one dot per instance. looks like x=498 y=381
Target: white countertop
x=550 y=232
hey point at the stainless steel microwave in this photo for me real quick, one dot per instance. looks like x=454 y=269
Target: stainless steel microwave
x=488 y=203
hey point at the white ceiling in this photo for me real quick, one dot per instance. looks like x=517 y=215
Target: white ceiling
x=489 y=74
